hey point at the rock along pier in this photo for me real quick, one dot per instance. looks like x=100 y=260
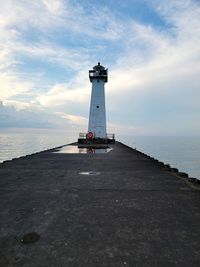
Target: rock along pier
x=115 y=207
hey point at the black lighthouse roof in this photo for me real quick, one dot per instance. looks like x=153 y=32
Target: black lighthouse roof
x=98 y=67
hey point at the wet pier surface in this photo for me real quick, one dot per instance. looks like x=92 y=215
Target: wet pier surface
x=110 y=208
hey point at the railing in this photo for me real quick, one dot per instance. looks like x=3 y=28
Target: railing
x=98 y=75
x=108 y=135
x=83 y=135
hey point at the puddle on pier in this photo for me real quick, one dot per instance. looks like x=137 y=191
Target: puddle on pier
x=89 y=173
x=83 y=150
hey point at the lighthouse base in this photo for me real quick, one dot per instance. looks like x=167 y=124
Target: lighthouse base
x=96 y=141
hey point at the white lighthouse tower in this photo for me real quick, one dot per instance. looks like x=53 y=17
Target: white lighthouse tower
x=97 y=118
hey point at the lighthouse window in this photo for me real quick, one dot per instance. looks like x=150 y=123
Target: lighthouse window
x=97 y=106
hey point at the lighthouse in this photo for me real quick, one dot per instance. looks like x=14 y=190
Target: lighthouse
x=97 y=116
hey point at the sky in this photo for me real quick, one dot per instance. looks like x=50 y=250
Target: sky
x=150 y=47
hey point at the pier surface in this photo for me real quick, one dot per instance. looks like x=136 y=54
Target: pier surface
x=130 y=210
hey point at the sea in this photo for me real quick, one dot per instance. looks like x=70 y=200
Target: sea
x=178 y=151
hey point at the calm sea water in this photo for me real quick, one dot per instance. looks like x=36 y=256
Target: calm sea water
x=19 y=142
x=180 y=152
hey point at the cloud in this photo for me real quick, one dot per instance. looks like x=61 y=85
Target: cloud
x=153 y=71
x=63 y=94
x=75 y=120
x=11 y=85
x=56 y=7
x=161 y=87
x=56 y=14
x=23 y=115
x=163 y=55
x=17 y=105
x=44 y=17
x=11 y=117
x=37 y=14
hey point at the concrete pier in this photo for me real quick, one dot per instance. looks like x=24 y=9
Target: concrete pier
x=120 y=208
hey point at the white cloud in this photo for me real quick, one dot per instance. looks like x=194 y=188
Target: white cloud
x=56 y=7
x=164 y=56
x=182 y=15
x=11 y=85
x=37 y=14
x=52 y=53
x=46 y=15
x=151 y=60
x=76 y=120
x=18 y=105
x=17 y=20
x=11 y=117
x=61 y=94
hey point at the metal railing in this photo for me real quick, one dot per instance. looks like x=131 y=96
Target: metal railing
x=108 y=135
x=83 y=135
x=98 y=75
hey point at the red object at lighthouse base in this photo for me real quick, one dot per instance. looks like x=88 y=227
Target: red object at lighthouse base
x=90 y=135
